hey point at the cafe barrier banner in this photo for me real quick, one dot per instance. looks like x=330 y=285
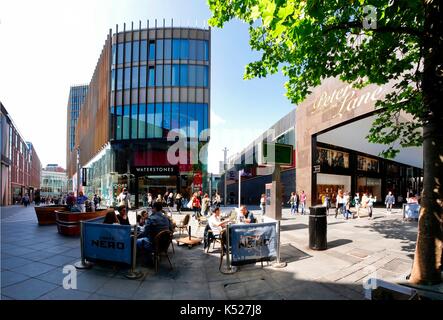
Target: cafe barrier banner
x=253 y=243
x=107 y=242
x=411 y=210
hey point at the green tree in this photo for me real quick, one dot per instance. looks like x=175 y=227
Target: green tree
x=312 y=40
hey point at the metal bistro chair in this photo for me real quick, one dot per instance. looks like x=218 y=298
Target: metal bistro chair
x=184 y=224
x=161 y=245
x=210 y=238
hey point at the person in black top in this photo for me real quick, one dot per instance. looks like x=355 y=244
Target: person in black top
x=111 y=218
x=123 y=216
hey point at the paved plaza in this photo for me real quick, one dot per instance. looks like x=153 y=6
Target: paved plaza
x=33 y=257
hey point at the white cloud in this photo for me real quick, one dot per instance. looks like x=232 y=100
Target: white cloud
x=216 y=119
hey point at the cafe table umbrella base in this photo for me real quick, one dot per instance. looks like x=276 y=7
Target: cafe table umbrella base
x=190 y=241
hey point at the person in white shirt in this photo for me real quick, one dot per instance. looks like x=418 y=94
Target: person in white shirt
x=215 y=223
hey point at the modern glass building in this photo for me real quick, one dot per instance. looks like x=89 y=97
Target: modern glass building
x=77 y=95
x=53 y=181
x=149 y=83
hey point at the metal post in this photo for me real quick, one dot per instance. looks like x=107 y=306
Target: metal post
x=78 y=170
x=278 y=263
x=82 y=264
x=239 y=188
x=229 y=269
x=225 y=167
x=133 y=274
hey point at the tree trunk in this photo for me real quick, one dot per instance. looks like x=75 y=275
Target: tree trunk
x=428 y=252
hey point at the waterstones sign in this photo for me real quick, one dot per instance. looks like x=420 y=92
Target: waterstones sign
x=345 y=99
x=156 y=170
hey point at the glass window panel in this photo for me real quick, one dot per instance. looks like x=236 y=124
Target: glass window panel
x=184 y=49
x=200 y=50
x=143 y=50
x=184 y=117
x=192 y=49
x=151 y=109
x=134 y=77
x=119 y=79
x=176 y=49
x=167 y=75
x=183 y=75
x=159 y=52
x=175 y=75
x=159 y=75
x=205 y=76
x=135 y=46
x=151 y=76
x=168 y=48
x=191 y=118
x=206 y=47
x=127 y=78
x=113 y=80
x=142 y=76
x=134 y=120
x=114 y=52
x=174 y=116
x=128 y=52
x=166 y=118
x=152 y=50
x=141 y=121
x=158 y=128
x=199 y=116
x=199 y=76
x=192 y=75
x=120 y=53
x=126 y=122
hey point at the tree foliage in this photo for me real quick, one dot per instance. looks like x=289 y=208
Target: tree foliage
x=312 y=40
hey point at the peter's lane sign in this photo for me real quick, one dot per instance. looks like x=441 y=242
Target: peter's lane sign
x=345 y=99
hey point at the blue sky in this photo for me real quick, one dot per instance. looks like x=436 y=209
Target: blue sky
x=63 y=43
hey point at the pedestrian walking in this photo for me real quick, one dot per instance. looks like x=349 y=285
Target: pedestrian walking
x=263 y=204
x=124 y=198
x=303 y=202
x=81 y=200
x=178 y=202
x=293 y=203
x=339 y=203
x=357 y=204
x=389 y=201
x=205 y=205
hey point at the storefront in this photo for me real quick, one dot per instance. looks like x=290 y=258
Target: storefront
x=333 y=151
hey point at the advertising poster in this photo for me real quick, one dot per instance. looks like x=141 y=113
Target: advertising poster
x=107 y=242
x=253 y=243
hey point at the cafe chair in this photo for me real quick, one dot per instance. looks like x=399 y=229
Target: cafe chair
x=209 y=238
x=184 y=224
x=161 y=245
x=202 y=221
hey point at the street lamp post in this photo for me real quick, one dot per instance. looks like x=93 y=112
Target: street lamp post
x=78 y=170
x=225 y=167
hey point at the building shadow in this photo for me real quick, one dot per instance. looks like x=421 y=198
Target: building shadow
x=338 y=242
x=293 y=227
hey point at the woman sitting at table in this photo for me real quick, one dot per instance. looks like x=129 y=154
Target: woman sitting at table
x=111 y=218
x=246 y=216
x=123 y=216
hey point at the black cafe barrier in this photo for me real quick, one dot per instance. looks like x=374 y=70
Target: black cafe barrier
x=107 y=242
x=251 y=243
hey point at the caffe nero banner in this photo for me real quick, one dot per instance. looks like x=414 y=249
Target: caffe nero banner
x=107 y=242
x=253 y=242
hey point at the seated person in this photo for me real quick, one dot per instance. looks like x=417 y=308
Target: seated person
x=156 y=223
x=215 y=223
x=111 y=218
x=246 y=216
x=142 y=217
x=123 y=216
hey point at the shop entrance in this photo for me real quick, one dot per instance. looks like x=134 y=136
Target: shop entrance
x=155 y=185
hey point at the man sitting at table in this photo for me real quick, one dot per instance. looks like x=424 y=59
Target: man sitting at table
x=215 y=223
x=245 y=215
x=156 y=223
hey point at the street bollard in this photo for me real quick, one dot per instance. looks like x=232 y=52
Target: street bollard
x=82 y=264
x=133 y=274
x=229 y=269
x=278 y=263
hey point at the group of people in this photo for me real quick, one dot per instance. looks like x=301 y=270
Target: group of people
x=199 y=203
x=297 y=201
x=344 y=202
x=81 y=203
